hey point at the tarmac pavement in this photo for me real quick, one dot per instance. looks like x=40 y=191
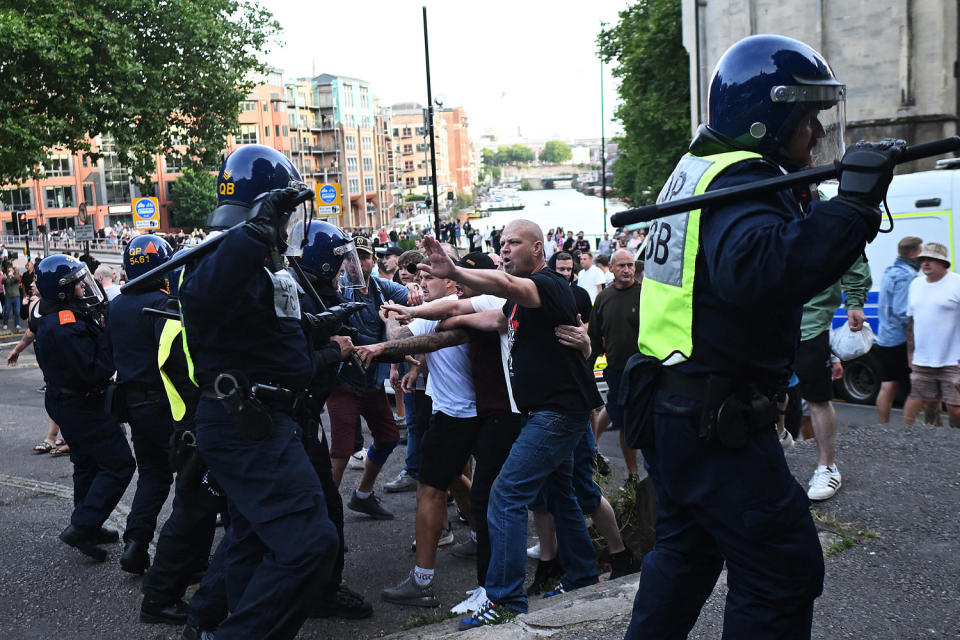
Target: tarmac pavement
x=898 y=578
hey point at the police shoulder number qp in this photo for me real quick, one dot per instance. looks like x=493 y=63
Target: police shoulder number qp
x=663 y=256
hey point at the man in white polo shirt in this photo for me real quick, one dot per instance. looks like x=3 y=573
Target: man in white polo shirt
x=933 y=336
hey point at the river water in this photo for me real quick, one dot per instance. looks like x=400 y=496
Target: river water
x=567 y=208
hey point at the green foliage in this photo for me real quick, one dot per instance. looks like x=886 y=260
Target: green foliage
x=525 y=185
x=156 y=76
x=653 y=70
x=465 y=200
x=493 y=173
x=556 y=152
x=414 y=197
x=194 y=197
x=513 y=154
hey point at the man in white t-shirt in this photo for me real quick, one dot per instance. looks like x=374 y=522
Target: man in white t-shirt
x=591 y=278
x=933 y=335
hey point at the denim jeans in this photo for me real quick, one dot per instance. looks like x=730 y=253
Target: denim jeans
x=541 y=456
x=11 y=307
x=414 y=432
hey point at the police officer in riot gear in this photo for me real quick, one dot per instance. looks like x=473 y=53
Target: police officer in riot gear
x=727 y=285
x=252 y=360
x=74 y=354
x=138 y=397
x=329 y=261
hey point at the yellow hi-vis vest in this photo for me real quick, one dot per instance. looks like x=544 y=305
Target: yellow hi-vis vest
x=171 y=332
x=670 y=258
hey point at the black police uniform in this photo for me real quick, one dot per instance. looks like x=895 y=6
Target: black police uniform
x=760 y=260
x=242 y=318
x=134 y=338
x=74 y=354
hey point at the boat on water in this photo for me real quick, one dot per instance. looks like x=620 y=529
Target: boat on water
x=475 y=214
x=500 y=200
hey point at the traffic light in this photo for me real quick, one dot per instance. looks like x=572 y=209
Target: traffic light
x=21 y=216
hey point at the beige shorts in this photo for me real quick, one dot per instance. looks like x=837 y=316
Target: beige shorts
x=936 y=383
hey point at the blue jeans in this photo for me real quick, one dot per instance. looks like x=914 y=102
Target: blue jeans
x=541 y=456
x=11 y=307
x=717 y=504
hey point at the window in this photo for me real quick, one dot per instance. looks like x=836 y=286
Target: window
x=265 y=105
x=275 y=107
x=59 y=197
x=396 y=132
x=348 y=95
x=88 y=194
x=58 y=166
x=85 y=160
x=406 y=131
x=366 y=143
x=408 y=182
x=116 y=176
x=420 y=131
x=266 y=131
x=351 y=163
x=168 y=185
x=16 y=200
x=173 y=163
x=286 y=130
x=421 y=148
x=248 y=134
x=364 y=98
x=248 y=105
x=408 y=165
x=294 y=143
x=368 y=164
x=351 y=143
x=408 y=148
x=276 y=130
x=354 y=185
x=368 y=184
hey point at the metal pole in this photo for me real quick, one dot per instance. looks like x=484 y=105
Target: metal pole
x=603 y=152
x=433 y=150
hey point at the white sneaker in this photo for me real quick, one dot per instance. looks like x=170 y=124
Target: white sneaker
x=446 y=537
x=786 y=440
x=358 y=459
x=475 y=598
x=534 y=551
x=824 y=484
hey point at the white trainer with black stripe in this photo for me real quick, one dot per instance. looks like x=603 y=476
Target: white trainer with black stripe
x=824 y=484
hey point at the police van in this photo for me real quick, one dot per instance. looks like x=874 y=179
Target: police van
x=924 y=204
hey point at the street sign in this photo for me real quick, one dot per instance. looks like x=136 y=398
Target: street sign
x=328 y=199
x=146 y=213
x=84 y=233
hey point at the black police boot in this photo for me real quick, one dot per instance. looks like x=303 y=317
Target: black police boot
x=344 y=603
x=83 y=542
x=152 y=612
x=135 y=558
x=106 y=536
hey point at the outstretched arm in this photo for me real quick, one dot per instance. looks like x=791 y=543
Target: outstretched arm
x=395 y=350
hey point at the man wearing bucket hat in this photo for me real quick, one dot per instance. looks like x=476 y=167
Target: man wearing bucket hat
x=933 y=336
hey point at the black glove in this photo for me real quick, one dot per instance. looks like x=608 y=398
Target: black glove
x=270 y=213
x=866 y=170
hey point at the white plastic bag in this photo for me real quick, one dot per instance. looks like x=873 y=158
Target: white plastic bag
x=849 y=345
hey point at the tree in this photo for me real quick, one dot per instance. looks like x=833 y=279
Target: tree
x=652 y=66
x=194 y=197
x=556 y=152
x=155 y=76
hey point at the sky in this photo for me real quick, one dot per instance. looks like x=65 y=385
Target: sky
x=521 y=69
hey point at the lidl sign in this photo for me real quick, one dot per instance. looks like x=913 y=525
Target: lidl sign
x=146 y=213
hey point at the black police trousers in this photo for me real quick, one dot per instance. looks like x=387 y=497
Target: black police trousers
x=183 y=547
x=102 y=463
x=151 y=426
x=319 y=454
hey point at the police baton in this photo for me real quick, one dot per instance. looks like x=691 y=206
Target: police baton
x=199 y=251
x=739 y=192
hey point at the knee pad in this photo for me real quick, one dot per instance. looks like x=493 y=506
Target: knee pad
x=378 y=453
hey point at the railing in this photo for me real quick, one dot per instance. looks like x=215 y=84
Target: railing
x=61 y=243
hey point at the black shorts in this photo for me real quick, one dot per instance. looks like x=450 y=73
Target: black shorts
x=814 y=369
x=893 y=363
x=445 y=447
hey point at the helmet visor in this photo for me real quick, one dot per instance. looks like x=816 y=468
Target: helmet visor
x=83 y=288
x=817 y=127
x=351 y=274
x=296 y=230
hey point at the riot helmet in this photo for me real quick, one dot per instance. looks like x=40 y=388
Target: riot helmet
x=62 y=279
x=252 y=170
x=778 y=97
x=144 y=253
x=329 y=254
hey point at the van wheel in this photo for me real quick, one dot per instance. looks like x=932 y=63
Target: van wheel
x=861 y=379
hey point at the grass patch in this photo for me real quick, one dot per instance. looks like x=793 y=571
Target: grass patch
x=849 y=535
x=422 y=620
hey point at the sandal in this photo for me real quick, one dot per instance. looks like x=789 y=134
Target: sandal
x=43 y=447
x=59 y=442
x=62 y=450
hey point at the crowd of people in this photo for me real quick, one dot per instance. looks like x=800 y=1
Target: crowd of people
x=490 y=349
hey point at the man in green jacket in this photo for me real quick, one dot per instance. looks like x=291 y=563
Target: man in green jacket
x=814 y=366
